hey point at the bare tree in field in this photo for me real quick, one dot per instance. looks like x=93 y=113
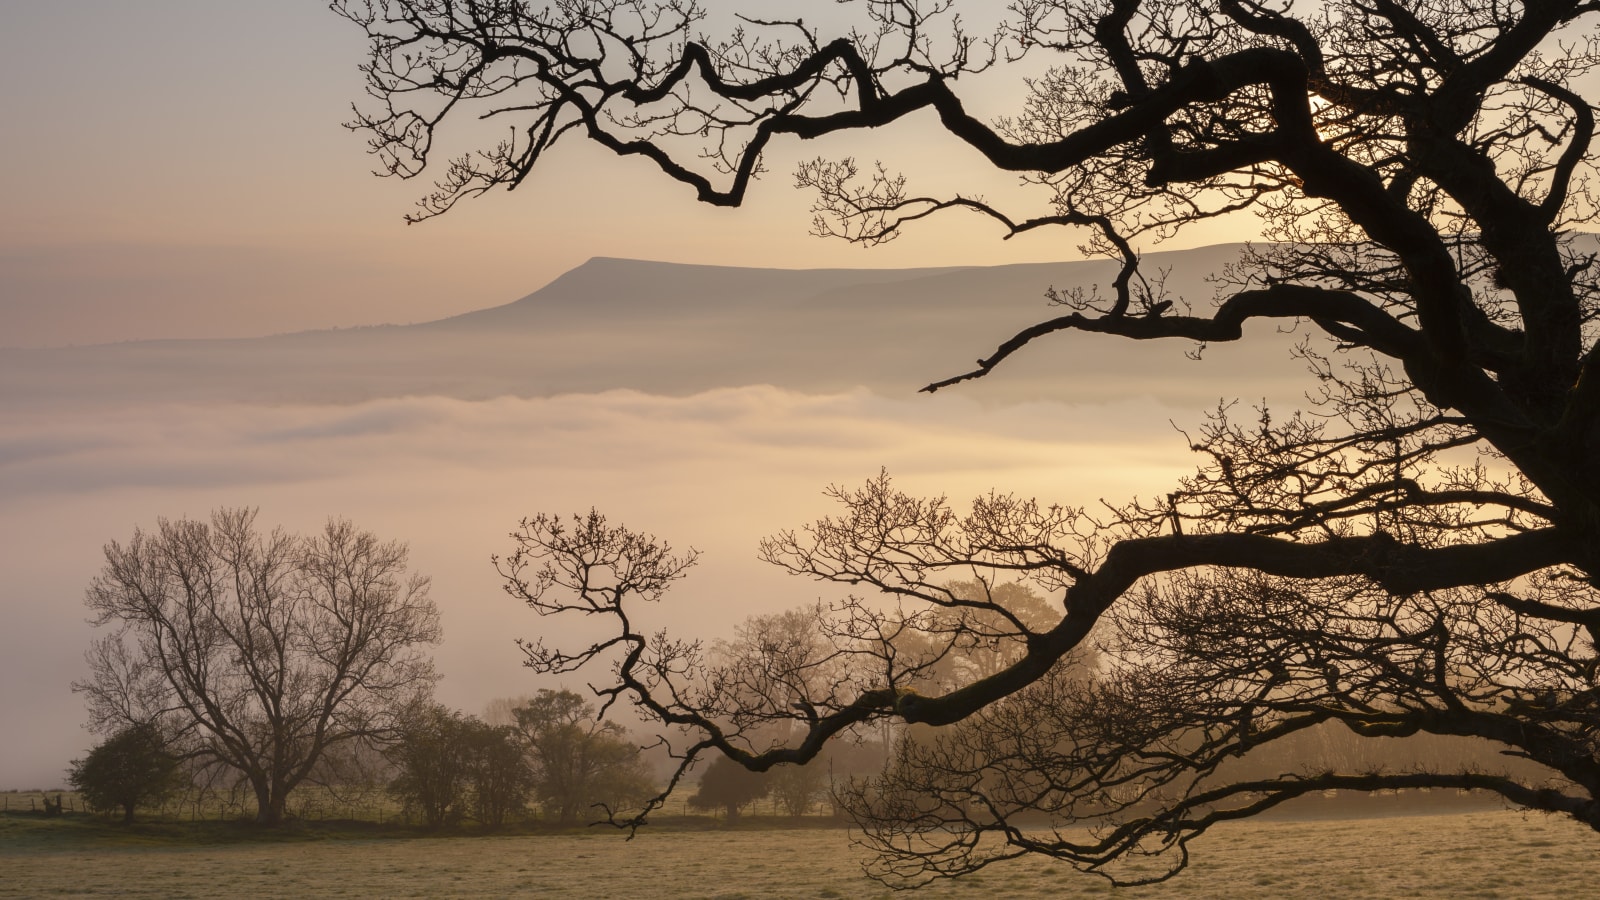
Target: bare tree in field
x=1417 y=551
x=258 y=652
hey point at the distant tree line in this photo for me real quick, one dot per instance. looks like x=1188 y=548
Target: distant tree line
x=257 y=662
x=246 y=660
x=451 y=767
x=762 y=697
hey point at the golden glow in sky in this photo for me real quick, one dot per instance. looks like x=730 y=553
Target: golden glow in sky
x=178 y=168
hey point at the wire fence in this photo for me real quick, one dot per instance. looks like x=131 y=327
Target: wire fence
x=41 y=801
x=322 y=804
x=308 y=803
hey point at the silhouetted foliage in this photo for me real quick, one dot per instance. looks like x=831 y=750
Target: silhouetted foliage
x=798 y=788
x=258 y=652
x=1418 y=552
x=450 y=766
x=432 y=761
x=502 y=779
x=728 y=786
x=131 y=768
x=581 y=764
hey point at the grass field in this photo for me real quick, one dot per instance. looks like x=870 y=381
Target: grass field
x=1475 y=855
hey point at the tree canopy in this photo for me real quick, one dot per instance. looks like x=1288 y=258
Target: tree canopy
x=1417 y=550
x=730 y=786
x=432 y=763
x=582 y=765
x=258 y=652
x=450 y=766
x=129 y=769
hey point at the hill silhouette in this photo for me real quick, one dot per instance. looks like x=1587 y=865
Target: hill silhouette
x=676 y=329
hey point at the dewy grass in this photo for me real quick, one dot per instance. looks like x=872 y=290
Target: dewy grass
x=1473 y=854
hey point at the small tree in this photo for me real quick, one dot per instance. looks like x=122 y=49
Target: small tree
x=729 y=786
x=258 y=651
x=451 y=766
x=797 y=787
x=432 y=761
x=131 y=768
x=579 y=761
x=501 y=778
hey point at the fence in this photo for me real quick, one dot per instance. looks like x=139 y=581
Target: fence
x=309 y=803
x=314 y=803
x=37 y=801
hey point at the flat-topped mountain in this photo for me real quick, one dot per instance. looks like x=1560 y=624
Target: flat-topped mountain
x=677 y=329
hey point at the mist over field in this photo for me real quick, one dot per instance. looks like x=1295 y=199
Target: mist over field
x=708 y=405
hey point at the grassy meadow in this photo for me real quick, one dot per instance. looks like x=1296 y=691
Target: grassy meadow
x=1494 y=854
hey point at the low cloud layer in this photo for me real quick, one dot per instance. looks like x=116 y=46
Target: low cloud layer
x=716 y=470
x=608 y=388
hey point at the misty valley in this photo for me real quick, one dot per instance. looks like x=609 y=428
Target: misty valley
x=331 y=419
x=1233 y=530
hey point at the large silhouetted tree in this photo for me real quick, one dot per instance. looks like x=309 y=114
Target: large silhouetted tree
x=1417 y=551
x=258 y=652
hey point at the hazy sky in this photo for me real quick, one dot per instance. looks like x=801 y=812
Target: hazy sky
x=176 y=168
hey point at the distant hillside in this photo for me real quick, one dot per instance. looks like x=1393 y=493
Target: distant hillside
x=678 y=329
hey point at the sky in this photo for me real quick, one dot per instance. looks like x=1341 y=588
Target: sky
x=177 y=169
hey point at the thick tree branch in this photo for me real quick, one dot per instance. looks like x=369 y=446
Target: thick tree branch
x=1368 y=324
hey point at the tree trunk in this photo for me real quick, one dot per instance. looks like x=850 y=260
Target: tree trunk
x=270 y=802
x=270 y=815
x=127 y=813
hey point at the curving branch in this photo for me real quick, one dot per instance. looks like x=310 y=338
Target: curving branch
x=1358 y=321
x=1578 y=144
x=1415 y=556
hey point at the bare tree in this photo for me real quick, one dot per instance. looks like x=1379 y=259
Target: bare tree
x=1418 y=551
x=977 y=635
x=501 y=711
x=258 y=651
x=774 y=659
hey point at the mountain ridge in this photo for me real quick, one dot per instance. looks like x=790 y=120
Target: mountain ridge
x=660 y=327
